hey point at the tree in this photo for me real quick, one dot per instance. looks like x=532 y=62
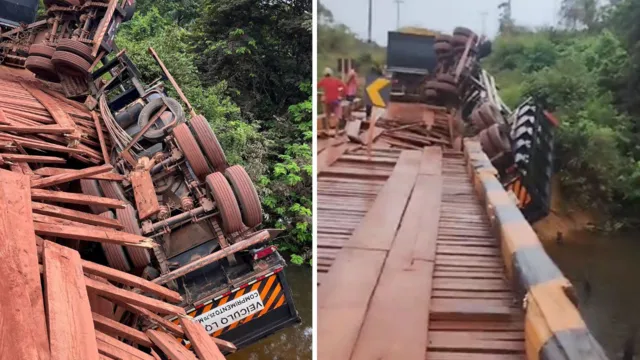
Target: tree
x=580 y=13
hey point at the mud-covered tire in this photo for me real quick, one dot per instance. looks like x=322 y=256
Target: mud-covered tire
x=75 y=47
x=442 y=47
x=191 y=151
x=41 y=50
x=42 y=67
x=489 y=114
x=116 y=257
x=463 y=31
x=446 y=78
x=90 y=187
x=226 y=202
x=140 y=257
x=70 y=64
x=154 y=106
x=112 y=190
x=487 y=145
x=431 y=93
x=209 y=143
x=459 y=40
x=498 y=139
x=443 y=38
x=477 y=120
x=246 y=195
x=445 y=88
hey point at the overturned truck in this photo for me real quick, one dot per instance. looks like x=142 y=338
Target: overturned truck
x=170 y=173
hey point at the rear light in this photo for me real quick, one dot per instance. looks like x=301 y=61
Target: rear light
x=264 y=252
x=277 y=271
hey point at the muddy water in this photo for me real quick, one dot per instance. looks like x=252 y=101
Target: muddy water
x=293 y=343
x=605 y=270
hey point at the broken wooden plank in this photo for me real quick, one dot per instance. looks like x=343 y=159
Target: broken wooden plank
x=71 y=330
x=170 y=346
x=115 y=349
x=51 y=171
x=72 y=198
x=20 y=287
x=75 y=215
x=152 y=317
x=42 y=129
x=203 y=344
x=103 y=144
x=130 y=280
x=114 y=293
x=58 y=114
x=114 y=328
x=92 y=234
x=32 y=158
x=70 y=176
x=144 y=194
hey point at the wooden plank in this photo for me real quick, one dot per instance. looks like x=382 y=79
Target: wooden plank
x=404 y=289
x=203 y=344
x=92 y=234
x=377 y=229
x=473 y=309
x=445 y=355
x=71 y=331
x=103 y=144
x=32 y=158
x=61 y=117
x=153 y=318
x=144 y=194
x=130 y=280
x=99 y=304
x=115 y=349
x=329 y=156
x=460 y=342
x=115 y=329
x=42 y=129
x=50 y=171
x=170 y=346
x=72 y=198
x=343 y=299
x=70 y=176
x=75 y=215
x=113 y=293
x=22 y=314
x=352 y=129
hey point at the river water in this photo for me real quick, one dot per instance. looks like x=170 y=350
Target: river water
x=604 y=269
x=293 y=343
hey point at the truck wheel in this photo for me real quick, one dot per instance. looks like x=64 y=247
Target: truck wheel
x=154 y=133
x=112 y=190
x=446 y=88
x=139 y=256
x=431 y=94
x=42 y=67
x=75 y=47
x=41 y=50
x=459 y=40
x=489 y=113
x=90 y=187
x=498 y=139
x=444 y=38
x=116 y=258
x=245 y=194
x=191 y=151
x=487 y=145
x=446 y=78
x=70 y=64
x=442 y=47
x=477 y=120
x=209 y=143
x=225 y=202
x=463 y=31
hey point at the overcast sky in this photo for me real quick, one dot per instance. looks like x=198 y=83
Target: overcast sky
x=442 y=15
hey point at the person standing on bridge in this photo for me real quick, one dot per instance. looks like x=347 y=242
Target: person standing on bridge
x=332 y=88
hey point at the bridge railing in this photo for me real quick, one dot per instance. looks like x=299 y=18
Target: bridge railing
x=554 y=328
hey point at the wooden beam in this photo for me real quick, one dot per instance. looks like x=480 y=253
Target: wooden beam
x=130 y=280
x=209 y=259
x=153 y=318
x=32 y=158
x=70 y=176
x=75 y=215
x=42 y=129
x=72 y=198
x=50 y=171
x=170 y=346
x=115 y=349
x=201 y=341
x=22 y=311
x=103 y=144
x=114 y=328
x=144 y=194
x=114 y=293
x=92 y=234
x=71 y=330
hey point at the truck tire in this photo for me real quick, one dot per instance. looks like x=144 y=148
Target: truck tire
x=75 y=47
x=112 y=190
x=459 y=40
x=487 y=145
x=209 y=143
x=90 y=187
x=442 y=47
x=191 y=151
x=477 y=120
x=41 y=50
x=246 y=195
x=463 y=31
x=444 y=38
x=70 y=64
x=225 y=202
x=116 y=257
x=446 y=78
x=445 y=88
x=42 y=67
x=155 y=134
x=499 y=140
x=140 y=257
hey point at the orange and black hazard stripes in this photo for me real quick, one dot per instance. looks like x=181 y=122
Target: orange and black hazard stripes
x=271 y=295
x=520 y=191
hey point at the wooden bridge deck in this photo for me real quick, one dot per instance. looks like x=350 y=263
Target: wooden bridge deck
x=408 y=265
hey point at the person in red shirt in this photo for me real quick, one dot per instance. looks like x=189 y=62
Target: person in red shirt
x=332 y=88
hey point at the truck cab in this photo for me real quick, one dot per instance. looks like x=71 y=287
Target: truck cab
x=410 y=60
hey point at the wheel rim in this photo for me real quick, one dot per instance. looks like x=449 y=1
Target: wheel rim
x=226 y=202
x=246 y=195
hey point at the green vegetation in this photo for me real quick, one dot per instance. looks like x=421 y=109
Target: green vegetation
x=246 y=66
x=587 y=74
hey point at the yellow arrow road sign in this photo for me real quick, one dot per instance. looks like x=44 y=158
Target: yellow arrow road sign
x=373 y=90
